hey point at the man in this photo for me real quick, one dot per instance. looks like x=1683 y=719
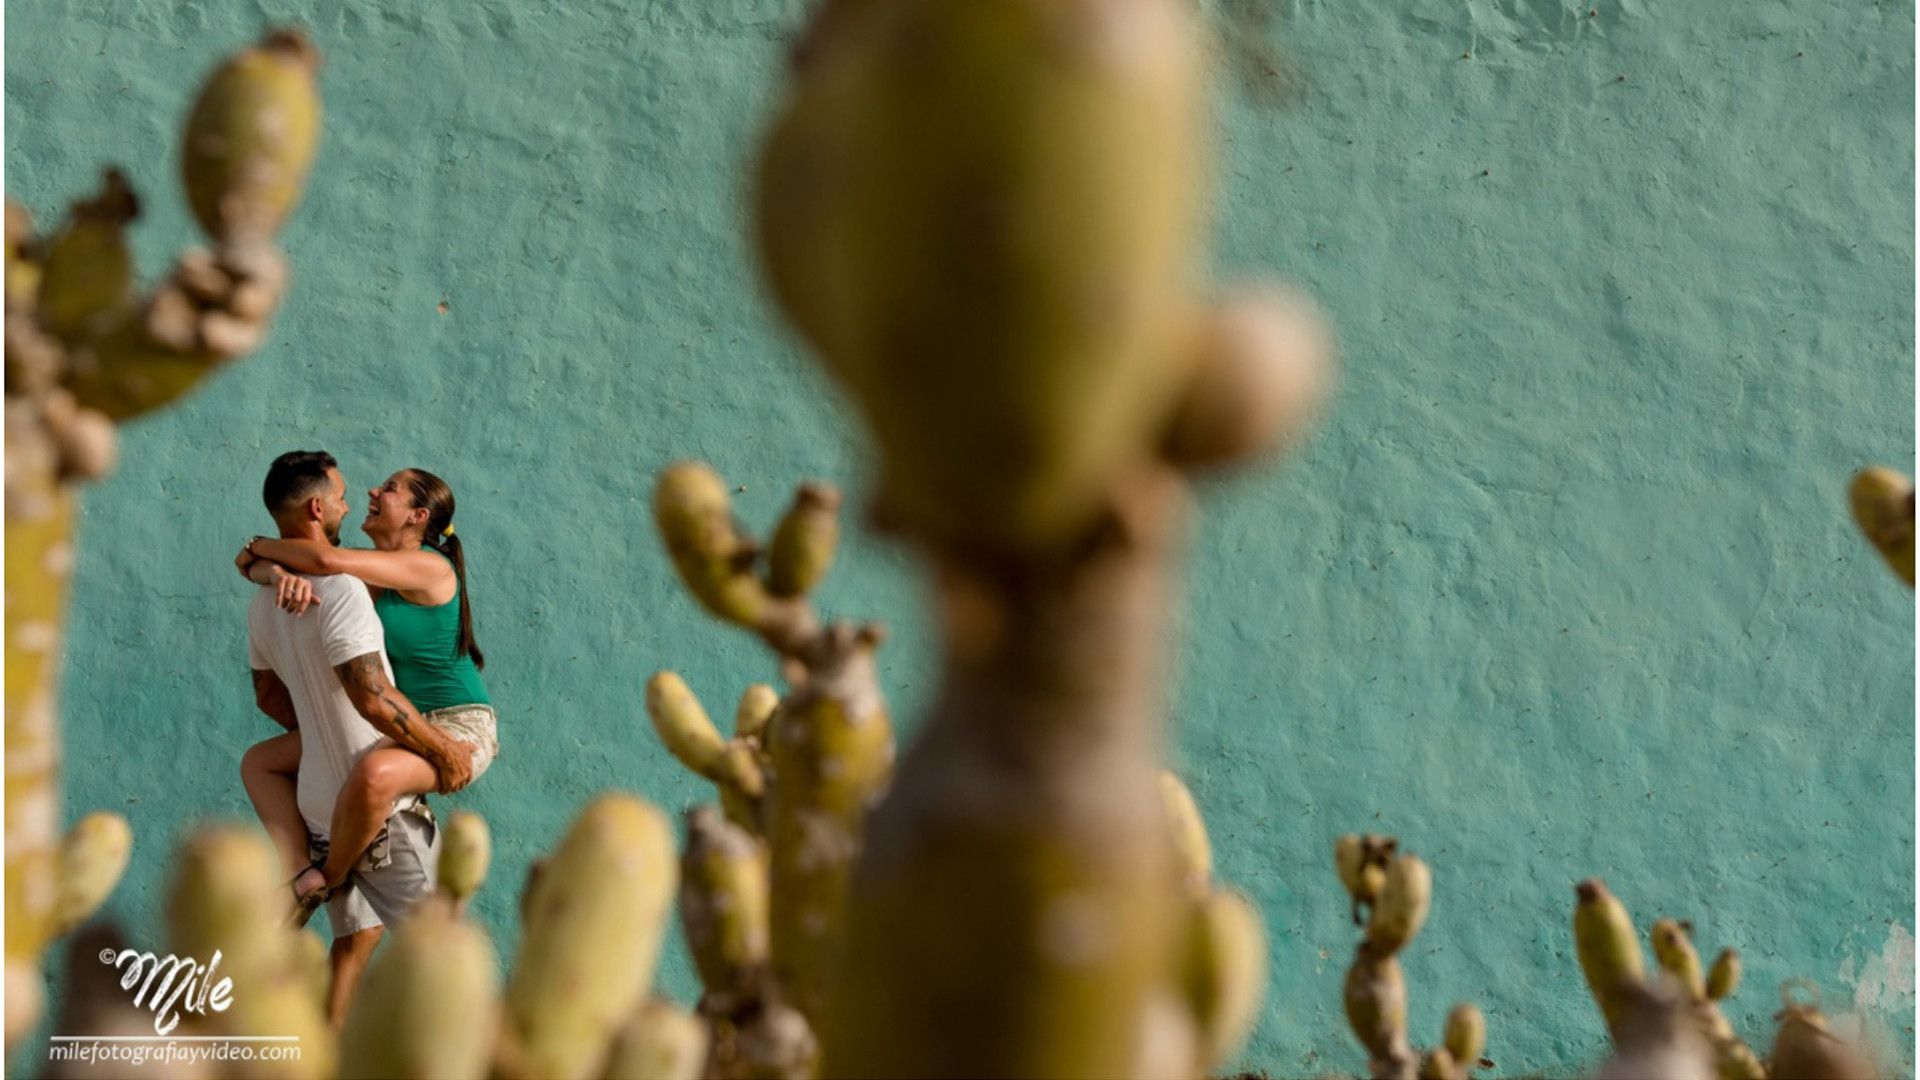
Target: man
x=324 y=674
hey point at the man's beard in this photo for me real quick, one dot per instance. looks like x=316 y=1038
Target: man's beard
x=333 y=534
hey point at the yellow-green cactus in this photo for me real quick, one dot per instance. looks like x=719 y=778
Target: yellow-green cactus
x=224 y=899
x=1724 y=977
x=661 y=1042
x=1674 y=951
x=465 y=854
x=1402 y=909
x=1805 y=1048
x=1376 y=1001
x=832 y=752
x=87 y=272
x=1609 y=950
x=1882 y=502
x=429 y=1005
x=1193 y=852
x=695 y=518
x=251 y=138
x=1228 y=975
x=1465 y=1036
x=723 y=907
x=738 y=767
x=594 y=923
x=1264 y=369
x=803 y=545
x=93 y=855
x=990 y=244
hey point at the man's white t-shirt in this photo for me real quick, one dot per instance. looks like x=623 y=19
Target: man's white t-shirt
x=303 y=650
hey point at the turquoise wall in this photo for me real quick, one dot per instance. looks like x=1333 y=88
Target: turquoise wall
x=1565 y=586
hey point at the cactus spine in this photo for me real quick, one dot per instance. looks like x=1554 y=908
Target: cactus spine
x=85 y=349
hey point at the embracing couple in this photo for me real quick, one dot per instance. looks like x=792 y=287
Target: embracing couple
x=367 y=659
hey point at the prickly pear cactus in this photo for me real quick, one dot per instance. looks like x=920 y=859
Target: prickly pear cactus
x=765 y=882
x=85 y=349
x=1396 y=889
x=982 y=216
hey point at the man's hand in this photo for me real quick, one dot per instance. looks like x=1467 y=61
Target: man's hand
x=455 y=763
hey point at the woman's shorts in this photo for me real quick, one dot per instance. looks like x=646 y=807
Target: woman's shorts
x=473 y=725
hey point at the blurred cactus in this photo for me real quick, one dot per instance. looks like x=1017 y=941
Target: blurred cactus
x=1804 y=1048
x=1224 y=973
x=1397 y=889
x=84 y=349
x=1679 y=1018
x=93 y=855
x=983 y=217
x=1882 y=503
x=429 y=1004
x=465 y=856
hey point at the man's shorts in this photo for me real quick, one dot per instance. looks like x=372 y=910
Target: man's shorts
x=396 y=873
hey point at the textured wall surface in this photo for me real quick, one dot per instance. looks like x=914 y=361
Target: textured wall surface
x=1564 y=587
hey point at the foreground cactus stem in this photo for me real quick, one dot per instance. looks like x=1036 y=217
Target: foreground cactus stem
x=93 y=855
x=429 y=1005
x=723 y=907
x=84 y=348
x=982 y=215
x=1674 y=951
x=595 y=918
x=1882 y=503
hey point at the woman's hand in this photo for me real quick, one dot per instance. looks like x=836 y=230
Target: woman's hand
x=293 y=594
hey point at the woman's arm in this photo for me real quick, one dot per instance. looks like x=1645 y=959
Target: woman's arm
x=293 y=594
x=403 y=570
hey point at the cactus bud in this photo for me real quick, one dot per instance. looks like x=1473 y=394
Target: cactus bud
x=87 y=273
x=1438 y=1063
x=755 y=709
x=1609 y=951
x=1402 y=908
x=251 y=138
x=1193 y=854
x=1882 y=502
x=661 y=1042
x=1265 y=362
x=803 y=545
x=465 y=856
x=93 y=855
x=594 y=923
x=683 y=724
x=1466 y=1035
x=1675 y=954
x=691 y=508
x=1724 y=977
x=1350 y=860
x=1229 y=974
x=428 y=1006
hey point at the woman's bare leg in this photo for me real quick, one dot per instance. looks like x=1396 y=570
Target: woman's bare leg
x=366 y=799
x=270 y=769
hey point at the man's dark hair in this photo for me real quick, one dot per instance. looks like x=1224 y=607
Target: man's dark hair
x=295 y=477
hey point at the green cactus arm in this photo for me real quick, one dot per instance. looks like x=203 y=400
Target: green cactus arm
x=1609 y=951
x=661 y=1042
x=466 y=853
x=429 y=1005
x=93 y=855
x=1882 y=504
x=803 y=544
x=595 y=918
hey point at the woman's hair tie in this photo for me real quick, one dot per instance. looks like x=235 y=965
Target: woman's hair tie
x=448 y=531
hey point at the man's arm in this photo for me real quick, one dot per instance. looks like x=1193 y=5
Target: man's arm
x=391 y=714
x=274 y=699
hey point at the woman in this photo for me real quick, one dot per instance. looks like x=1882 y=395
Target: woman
x=416 y=573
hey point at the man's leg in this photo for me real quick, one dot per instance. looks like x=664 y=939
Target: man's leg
x=349 y=961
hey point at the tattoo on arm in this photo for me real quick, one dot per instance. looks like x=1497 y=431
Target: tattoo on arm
x=366 y=680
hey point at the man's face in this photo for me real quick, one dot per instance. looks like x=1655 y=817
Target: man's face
x=333 y=506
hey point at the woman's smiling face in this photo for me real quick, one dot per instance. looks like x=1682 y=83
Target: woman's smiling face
x=390 y=507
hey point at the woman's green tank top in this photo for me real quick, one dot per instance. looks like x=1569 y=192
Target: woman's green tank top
x=422 y=643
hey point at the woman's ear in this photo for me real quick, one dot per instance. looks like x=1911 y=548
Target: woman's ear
x=418 y=516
